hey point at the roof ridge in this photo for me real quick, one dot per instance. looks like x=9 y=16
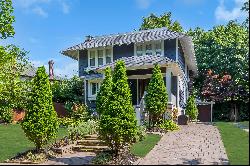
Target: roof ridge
x=127 y=33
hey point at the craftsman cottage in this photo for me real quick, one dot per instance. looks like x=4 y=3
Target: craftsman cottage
x=140 y=50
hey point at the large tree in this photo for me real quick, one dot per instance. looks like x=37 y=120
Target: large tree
x=12 y=63
x=6 y=19
x=224 y=49
x=164 y=20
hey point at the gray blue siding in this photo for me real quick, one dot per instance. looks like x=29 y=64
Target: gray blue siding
x=170 y=49
x=83 y=61
x=181 y=58
x=123 y=51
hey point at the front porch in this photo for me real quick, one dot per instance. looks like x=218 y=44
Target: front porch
x=139 y=79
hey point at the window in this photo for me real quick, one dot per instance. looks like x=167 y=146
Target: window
x=108 y=56
x=158 y=50
x=92 y=58
x=100 y=57
x=94 y=88
x=149 y=48
x=139 y=50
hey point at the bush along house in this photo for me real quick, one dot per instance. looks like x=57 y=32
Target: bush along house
x=140 y=50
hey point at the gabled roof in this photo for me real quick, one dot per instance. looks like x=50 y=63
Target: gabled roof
x=30 y=71
x=123 y=38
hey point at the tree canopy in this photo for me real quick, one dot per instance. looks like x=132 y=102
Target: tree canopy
x=6 y=19
x=165 y=20
x=224 y=49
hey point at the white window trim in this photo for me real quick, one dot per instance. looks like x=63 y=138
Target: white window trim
x=96 y=55
x=90 y=96
x=153 y=47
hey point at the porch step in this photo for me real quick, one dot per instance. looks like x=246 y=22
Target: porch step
x=89 y=148
x=91 y=137
x=91 y=142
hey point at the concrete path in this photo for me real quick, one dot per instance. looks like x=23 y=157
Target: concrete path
x=78 y=158
x=193 y=144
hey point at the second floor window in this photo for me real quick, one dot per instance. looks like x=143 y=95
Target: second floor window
x=149 y=48
x=108 y=55
x=98 y=57
x=92 y=58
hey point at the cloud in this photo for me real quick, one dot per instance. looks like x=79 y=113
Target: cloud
x=143 y=4
x=29 y=3
x=65 y=7
x=223 y=14
x=37 y=6
x=39 y=11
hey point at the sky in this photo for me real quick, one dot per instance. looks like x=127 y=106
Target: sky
x=45 y=27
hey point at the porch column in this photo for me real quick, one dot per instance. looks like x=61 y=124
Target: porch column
x=168 y=83
x=177 y=91
x=137 y=92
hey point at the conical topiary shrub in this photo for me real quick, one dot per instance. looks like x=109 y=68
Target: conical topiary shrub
x=40 y=122
x=102 y=99
x=118 y=122
x=191 y=108
x=156 y=98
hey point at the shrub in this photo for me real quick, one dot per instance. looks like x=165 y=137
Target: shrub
x=175 y=114
x=104 y=92
x=78 y=112
x=191 y=108
x=156 y=98
x=168 y=125
x=118 y=122
x=79 y=130
x=65 y=122
x=141 y=133
x=102 y=158
x=6 y=114
x=40 y=123
x=68 y=90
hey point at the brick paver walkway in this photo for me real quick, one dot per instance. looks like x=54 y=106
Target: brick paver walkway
x=192 y=144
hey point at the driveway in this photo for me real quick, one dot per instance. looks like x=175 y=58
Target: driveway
x=193 y=144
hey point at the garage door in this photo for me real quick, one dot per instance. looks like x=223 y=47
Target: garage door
x=204 y=113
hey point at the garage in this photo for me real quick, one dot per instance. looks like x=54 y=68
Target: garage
x=205 y=110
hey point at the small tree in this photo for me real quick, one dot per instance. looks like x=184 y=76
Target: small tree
x=191 y=109
x=40 y=122
x=103 y=95
x=118 y=122
x=156 y=98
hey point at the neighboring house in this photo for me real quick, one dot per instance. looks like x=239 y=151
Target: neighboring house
x=30 y=72
x=140 y=50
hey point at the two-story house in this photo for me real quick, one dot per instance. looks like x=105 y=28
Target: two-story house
x=140 y=50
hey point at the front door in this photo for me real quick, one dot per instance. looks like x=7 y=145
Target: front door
x=143 y=83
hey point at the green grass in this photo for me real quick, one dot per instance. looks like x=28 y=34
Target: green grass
x=143 y=147
x=13 y=140
x=236 y=142
x=245 y=124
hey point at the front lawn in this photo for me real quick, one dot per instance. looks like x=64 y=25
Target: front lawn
x=236 y=142
x=13 y=140
x=244 y=124
x=143 y=147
